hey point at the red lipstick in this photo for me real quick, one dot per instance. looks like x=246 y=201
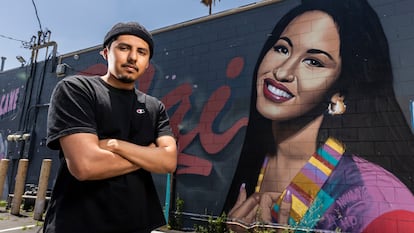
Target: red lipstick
x=275 y=91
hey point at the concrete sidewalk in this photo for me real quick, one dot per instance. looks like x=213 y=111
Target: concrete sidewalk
x=24 y=223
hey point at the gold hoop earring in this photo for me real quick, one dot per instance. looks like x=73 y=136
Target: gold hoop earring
x=337 y=108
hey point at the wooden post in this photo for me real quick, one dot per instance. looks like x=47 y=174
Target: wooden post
x=41 y=192
x=4 y=165
x=19 y=186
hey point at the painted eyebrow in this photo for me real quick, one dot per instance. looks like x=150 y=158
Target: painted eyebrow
x=316 y=51
x=311 y=51
x=287 y=40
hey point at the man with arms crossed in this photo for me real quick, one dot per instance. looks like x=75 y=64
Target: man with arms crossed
x=111 y=138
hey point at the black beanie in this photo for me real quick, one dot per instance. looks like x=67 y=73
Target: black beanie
x=130 y=28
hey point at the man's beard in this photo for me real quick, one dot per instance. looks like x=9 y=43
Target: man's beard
x=125 y=79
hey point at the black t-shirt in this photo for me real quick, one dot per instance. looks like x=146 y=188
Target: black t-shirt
x=127 y=203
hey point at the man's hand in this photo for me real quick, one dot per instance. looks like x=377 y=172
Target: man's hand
x=109 y=144
x=113 y=144
x=159 y=157
x=89 y=158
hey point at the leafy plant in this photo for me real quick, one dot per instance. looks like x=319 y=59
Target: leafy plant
x=176 y=220
x=216 y=225
x=3 y=203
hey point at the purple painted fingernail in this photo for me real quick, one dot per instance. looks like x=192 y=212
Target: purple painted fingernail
x=288 y=197
x=242 y=186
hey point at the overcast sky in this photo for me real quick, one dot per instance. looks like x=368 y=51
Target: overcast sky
x=80 y=24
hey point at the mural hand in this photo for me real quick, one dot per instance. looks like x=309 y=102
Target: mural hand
x=244 y=211
x=240 y=199
x=285 y=206
x=267 y=200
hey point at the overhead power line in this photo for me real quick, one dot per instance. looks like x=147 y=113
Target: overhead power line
x=25 y=44
x=37 y=16
x=42 y=36
x=11 y=38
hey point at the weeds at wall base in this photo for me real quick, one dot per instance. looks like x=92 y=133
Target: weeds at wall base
x=176 y=219
x=218 y=224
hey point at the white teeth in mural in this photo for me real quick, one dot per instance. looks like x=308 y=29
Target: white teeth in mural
x=278 y=92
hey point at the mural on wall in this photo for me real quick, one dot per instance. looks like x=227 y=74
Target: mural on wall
x=211 y=141
x=8 y=103
x=327 y=146
x=297 y=125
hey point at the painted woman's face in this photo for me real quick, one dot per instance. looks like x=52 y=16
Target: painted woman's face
x=303 y=63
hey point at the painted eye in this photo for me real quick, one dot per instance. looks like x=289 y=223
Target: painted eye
x=281 y=49
x=313 y=62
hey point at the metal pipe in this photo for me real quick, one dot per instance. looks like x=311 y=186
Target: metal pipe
x=3 y=61
x=54 y=52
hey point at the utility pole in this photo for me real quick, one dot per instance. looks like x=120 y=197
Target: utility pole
x=3 y=60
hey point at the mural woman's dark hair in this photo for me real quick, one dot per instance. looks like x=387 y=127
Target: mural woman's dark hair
x=373 y=125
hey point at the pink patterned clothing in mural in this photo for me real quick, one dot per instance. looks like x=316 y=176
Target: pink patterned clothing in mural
x=338 y=191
